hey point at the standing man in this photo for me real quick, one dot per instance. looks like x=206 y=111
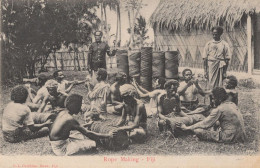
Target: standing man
x=97 y=53
x=216 y=58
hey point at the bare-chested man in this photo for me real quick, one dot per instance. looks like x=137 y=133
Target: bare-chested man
x=63 y=142
x=64 y=86
x=158 y=86
x=135 y=109
x=55 y=98
x=116 y=105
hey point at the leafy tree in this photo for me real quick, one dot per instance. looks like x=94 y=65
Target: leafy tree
x=32 y=29
x=140 y=32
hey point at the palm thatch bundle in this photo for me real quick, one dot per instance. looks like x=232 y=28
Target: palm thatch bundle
x=185 y=15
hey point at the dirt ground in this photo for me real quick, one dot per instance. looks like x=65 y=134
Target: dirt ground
x=249 y=104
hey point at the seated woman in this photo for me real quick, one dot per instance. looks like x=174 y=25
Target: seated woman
x=135 y=110
x=19 y=123
x=63 y=142
x=158 y=86
x=229 y=117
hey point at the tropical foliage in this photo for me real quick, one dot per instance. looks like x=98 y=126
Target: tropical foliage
x=32 y=29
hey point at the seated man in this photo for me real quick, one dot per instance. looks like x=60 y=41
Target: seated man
x=158 y=86
x=116 y=105
x=64 y=86
x=18 y=122
x=55 y=98
x=136 y=112
x=169 y=104
x=230 y=119
x=230 y=84
x=42 y=92
x=188 y=91
x=98 y=95
x=63 y=142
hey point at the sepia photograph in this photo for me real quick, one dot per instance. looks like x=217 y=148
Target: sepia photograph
x=130 y=83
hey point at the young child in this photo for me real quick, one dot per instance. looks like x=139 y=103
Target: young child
x=230 y=84
x=18 y=122
x=61 y=139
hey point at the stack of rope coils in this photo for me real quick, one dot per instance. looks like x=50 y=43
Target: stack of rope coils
x=146 y=67
x=122 y=61
x=120 y=141
x=158 y=64
x=171 y=64
x=134 y=59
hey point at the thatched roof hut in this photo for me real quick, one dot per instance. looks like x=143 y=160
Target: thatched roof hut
x=185 y=25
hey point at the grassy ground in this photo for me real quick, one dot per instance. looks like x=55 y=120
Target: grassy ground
x=249 y=103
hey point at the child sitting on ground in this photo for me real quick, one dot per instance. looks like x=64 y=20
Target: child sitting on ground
x=18 y=122
x=61 y=139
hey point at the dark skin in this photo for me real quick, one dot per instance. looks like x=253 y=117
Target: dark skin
x=53 y=93
x=139 y=113
x=216 y=36
x=61 y=76
x=188 y=79
x=64 y=123
x=171 y=92
x=115 y=93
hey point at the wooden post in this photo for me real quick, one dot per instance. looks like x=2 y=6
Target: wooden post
x=55 y=60
x=84 y=61
x=74 y=61
x=249 y=44
x=61 y=60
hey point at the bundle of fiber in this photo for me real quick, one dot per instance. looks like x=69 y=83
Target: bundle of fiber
x=117 y=143
x=171 y=64
x=158 y=64
x=122 y=61
x=146 y=67
x=134 y=59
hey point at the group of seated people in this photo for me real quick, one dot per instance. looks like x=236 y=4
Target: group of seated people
x=175 y=104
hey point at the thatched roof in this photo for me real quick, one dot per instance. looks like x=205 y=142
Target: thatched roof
x=179 y=15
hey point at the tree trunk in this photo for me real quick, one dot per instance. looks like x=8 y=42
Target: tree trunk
x=119 y=26
x=106 y=30
x=130 y=26
x=102 y=17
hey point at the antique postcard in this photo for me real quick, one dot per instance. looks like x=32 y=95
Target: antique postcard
x=130 y=83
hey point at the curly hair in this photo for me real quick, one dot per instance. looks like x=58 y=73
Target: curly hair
x=51 y=83
x=73 y=103
x=42 y=79
x=171 y=82
x=19 y=94
x=185 y=70
x=161 y=81
x=128 y=90
x=101 y=74
x=218 y=28
x=120 y=76
x=219 y=93
x=232 y=81
x=55 y=74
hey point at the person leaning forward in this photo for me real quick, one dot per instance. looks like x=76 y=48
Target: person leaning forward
x=97 y=53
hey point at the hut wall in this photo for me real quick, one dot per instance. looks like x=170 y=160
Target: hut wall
x=191 y=45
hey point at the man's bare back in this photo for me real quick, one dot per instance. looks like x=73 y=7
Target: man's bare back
x=60 y=129
x=115 y=93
